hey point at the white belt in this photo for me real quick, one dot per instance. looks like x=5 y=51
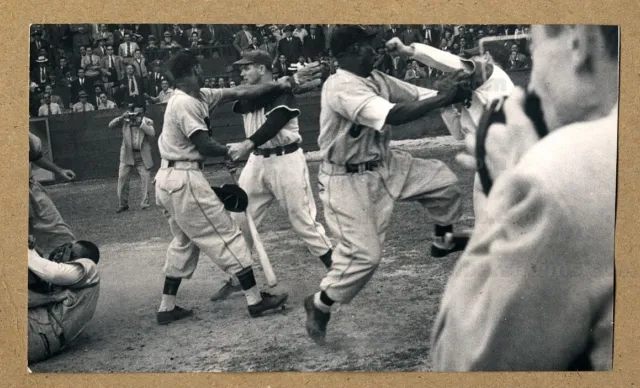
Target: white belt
x=182 y=164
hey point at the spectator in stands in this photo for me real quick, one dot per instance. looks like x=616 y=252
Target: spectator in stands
x=91 y=65
x=392 y=32
x=135 y=152
x=81 y=36
x=410 y=35
x=430 y=35
x=62 y=68
x=104 y=102
x=140 y=65
x=300 y=32
x=118 y=35
x=455 y=49
x=414 y=72
x=207 y=83
x=105 y=35
x=462 y=33
x=281 y=67
x=68 y=79
x=83 y=105
x=101 y=50
x=232 y=84
x=112 y=68
x=40 y=75
x=221 y=83
x=479 y=36
x=150 y=52
x=177 y=33
x=156 y=76
x=449 y=37
x=194 y=29
x=243 y=39
x=289 y=46
x=313 y=44
x=270 y=46
x=166 y=92
x=254 y=44
x=463 y=44
x=513 y=62
x=55 y=99
x=94 y=98
x=210 y=36
x=139 y=32
x=195 y=43
x=127 y=49
x=131 y=86
x=302 y=62
x=519 y=56
x=77 y=58
x=38 y=44
x=169 y=42
x=48 y=108
x=383 y=61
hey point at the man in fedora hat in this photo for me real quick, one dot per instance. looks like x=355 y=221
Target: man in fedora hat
x=289 y=46
x=83 y=105
x=40 y=74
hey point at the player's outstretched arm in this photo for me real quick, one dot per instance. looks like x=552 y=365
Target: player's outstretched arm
x=251 y=92
x=67 y=175
x=430 y=56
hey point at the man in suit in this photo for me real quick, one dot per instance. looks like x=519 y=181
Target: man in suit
x=40 y=74
x=55 y=99
x=410 y=35
x=91 y=65
x=104 y=34
x=81 y=36
x=313 y=44
x=135 y=152
x=281 y=67
x=140 y=65
x=36 y=45
x=254 y=44
x=155 y=78
x=243 y=39
x=151 y=51
x=112 y=67
x=101 y=49
x=118 y=35
x=127 y=49
x=393 y=32
x=49 y=107
x=289 y=46
x=192 y=29
x=81 y=84
x=430 y=35
x=131 y=87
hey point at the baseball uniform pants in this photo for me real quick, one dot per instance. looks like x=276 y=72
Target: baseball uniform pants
x=479 y=200
x=358 y=207
x=284 y=179
x=45 y=222
x=46 y=325
x=124 y=176
x=199 y=222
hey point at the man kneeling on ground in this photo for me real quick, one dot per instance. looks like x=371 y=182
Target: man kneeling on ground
x=63 y=294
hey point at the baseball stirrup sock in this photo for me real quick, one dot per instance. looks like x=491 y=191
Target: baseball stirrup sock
x=248 y=283
x=442 y=230
x=171 y=286
x=322 y=301
x=326 y=259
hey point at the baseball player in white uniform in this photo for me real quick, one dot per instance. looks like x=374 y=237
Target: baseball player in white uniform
x=361 y=178
x=463 y=120
x=45 y=222
x=197 y=218
x=277 y=168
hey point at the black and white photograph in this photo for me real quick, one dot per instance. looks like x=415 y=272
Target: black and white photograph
x=321 y=197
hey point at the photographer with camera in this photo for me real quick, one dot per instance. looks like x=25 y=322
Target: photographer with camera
x=137 y=130
x=63 y=295
x=534 y=289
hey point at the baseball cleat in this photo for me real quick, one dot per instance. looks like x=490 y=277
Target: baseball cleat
x=165 y=317
x=449 y=243
x=122 y=209
x=316 y=321
x=268 y=302
x=225 y=291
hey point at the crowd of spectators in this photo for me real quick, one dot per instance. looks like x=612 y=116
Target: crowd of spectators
x=79 y=68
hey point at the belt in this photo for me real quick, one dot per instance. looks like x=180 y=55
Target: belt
x=266 y=152
x=351 y=168
x=135 y=150
x=182 y=164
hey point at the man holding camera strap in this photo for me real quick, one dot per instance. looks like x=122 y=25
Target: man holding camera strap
x=135 y=151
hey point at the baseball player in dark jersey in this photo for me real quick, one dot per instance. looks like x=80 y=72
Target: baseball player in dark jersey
x=277 y=168
x=197 y=217
x=361 y=178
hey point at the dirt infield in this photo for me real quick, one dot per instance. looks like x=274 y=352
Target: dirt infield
x=386 y=328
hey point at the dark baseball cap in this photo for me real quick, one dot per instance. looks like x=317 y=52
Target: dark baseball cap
x=255 y=56
x=343 y=37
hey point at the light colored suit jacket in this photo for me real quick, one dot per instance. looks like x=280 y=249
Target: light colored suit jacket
x=534 y=290
x=126 y=150
x=119 y=66
x=122 y=50
x=140 y=67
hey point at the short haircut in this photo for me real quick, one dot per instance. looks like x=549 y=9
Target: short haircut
x=182 y=63
x=110 y=47
x=137 y=51
x=91 y=249
x=101 y=93
x=609 y=33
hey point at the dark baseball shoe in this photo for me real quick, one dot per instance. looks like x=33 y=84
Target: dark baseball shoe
x=316 y=321
x=225 y=291
x=449 y=243
x=165 y=317
x=268 y=302
x=122 y=209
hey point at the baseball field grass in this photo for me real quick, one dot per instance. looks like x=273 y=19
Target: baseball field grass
x=386 y=328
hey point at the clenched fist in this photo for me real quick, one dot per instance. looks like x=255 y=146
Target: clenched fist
x=395 y=46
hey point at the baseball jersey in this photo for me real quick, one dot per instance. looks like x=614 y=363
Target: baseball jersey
x=534 y=290
x=353 y=114
x=183 y=116
x=255 y=113
x=464 y=121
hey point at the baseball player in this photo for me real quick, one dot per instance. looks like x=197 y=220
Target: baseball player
x=45 y=222
x=361 y=178
x=63 y=295
x=196 y=216
x=534 y=290
x=277 y=168
x=462 y=120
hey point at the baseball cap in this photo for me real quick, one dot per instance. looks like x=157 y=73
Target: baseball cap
x=255 y=56
x=472 y=52
x=344 y=37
